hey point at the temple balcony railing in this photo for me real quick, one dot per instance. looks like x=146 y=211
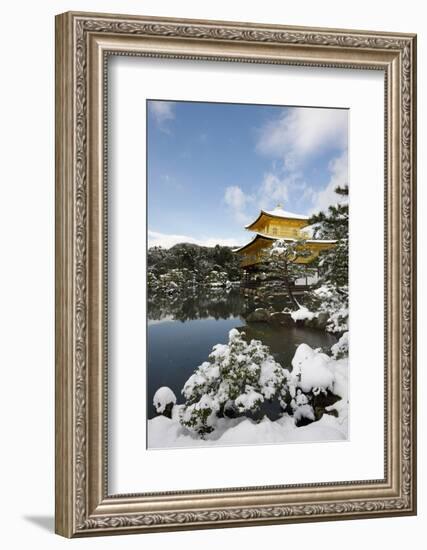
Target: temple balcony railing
x=254 y=259
x=286 y=232
x=303 y=283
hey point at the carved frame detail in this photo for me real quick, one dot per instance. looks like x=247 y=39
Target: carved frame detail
x=83 y=506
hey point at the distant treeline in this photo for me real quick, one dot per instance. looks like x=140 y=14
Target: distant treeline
x=200 y=260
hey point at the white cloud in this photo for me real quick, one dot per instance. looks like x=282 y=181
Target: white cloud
x=162 y=112
x=167 y=240
x=273 y=188
x=235 y=197
x=298 y=136
x=307 y=193
x=302 y=132
x=237 y=201
x=338 y=168
x=293 y=139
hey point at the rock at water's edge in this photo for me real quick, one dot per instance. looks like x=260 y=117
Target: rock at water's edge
x=281 y=318
x=258 y=316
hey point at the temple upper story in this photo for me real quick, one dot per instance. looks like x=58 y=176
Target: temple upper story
x=271 y=225
x=280 y=223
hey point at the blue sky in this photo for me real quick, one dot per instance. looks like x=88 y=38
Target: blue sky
x=213 y=166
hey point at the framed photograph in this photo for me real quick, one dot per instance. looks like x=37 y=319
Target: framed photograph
x=235 y=274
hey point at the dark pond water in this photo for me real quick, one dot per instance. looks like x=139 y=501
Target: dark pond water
x=182 y=332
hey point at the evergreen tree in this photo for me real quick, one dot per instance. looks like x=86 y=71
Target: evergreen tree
x=196 y=261
x=332 y=296
x=281 y=269
x=238 y=378
x=333 y=224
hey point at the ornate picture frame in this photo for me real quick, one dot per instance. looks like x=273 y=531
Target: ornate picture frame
x=84 y=42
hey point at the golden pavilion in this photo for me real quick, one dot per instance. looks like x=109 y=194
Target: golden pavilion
x=276 y=224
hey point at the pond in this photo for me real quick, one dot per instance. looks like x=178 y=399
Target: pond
x=183 y=330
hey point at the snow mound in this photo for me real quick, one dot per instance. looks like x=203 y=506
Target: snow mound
x=163 y=397
x=168 y=433
x=233 y=334
x=314 y=370
x=302 y=314
x=303 y=411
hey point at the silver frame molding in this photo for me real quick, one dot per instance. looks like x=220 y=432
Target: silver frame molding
x=83 y=43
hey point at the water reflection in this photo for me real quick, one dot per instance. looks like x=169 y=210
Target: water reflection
x=196 y=304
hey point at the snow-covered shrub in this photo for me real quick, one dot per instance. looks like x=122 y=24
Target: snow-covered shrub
x=340 y=407
x=239 y=377
x=302 y=410
x=249 y=400
x=335 y=304
x=200 y=416
x=338 y=321
x=216 y=278
x=175 y=280
x=164 y=400
x=340 y=349
x=299 y=399
x=152 y=281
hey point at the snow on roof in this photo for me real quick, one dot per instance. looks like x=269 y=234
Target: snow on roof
x=280 y=213
x=289 y=239
x=292 y=239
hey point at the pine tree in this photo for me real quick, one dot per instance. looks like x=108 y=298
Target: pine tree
x=281 y=269
x=333 y=224
x=238 y=378
x=332 y=296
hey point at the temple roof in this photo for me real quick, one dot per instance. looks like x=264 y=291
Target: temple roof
x=289 y=239
x=255 y=238
x=278 y=212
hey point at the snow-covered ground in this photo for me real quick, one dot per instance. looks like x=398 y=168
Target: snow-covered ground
x=169 y=433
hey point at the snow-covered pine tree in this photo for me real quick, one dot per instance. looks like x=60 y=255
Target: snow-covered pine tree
x=281 y=269
x=333 y=224
x=238 y=378
x=332 y=296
